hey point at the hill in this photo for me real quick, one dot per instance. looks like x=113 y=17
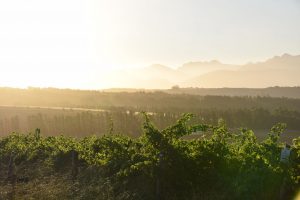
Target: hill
x=277 y=71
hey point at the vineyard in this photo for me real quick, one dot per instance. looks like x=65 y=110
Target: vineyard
x=159 y=164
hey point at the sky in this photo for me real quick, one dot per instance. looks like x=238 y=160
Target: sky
x=70 y=43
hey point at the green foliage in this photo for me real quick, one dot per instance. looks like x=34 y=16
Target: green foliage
x=163 y=164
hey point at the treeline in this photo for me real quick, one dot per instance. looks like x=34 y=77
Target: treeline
x=81 y=124
x=159 y=164
x=148 y=101
x=289 y=92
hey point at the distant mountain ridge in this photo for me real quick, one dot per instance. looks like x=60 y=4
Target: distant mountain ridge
x=283 y=62
x=277 y=71
x=193 y=68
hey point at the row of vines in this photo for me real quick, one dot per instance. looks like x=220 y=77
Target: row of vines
x=160 y=164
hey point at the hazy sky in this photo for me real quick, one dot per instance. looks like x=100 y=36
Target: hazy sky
x=67 y=43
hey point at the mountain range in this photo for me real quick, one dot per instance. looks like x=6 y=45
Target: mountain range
x=277 y=71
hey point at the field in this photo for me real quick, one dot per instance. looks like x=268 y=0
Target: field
x=156 y=165
x=146 y=145
x=82 y=113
